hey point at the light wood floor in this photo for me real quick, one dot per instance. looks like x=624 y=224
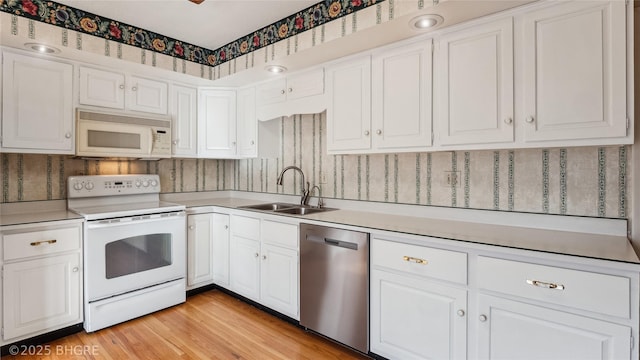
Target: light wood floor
x=210 y=325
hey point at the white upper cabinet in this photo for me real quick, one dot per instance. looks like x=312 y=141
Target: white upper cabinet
x=216 y=123
x=247 y=123
x=574 y=78
x=401 y=98
x=475 y=85
x=37 y=111
x=349 y=106
x=119 y=91
x=101 y=88
x=184 y=120
x=381 y=103
x=300 y=93
x=148 y=95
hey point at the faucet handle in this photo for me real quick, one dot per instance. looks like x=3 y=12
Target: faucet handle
x=320 y=201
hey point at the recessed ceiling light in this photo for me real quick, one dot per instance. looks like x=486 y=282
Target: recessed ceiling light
x=276 y=69
x=42 y=48
x=426 y=21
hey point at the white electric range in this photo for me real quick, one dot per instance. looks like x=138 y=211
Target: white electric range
x=134 y=247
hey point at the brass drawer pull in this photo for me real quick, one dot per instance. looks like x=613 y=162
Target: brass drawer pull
x=545 y=285
x=415 y=260
x=38 y=243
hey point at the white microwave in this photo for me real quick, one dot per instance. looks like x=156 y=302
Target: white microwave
x=116 y=135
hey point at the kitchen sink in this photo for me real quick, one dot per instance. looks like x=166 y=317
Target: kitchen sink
x=285 y=208
x=300 y=210
x=270 y=206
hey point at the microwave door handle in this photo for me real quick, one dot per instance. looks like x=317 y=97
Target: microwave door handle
x=151 y=142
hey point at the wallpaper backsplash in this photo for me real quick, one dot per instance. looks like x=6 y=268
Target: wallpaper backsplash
x=590 y=181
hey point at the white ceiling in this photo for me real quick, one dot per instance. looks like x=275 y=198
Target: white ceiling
x=211 y=24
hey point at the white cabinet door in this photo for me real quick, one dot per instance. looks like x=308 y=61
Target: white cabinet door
x=513 y=330
x=220 y=245
x=305 y=84
x=217 y=123
x=184 y=114
x=102 y=88
x=349 y=106
x=574 y=71
x=37 y=99
x=272 y=92
x=475 y=71
x=199 y=250
x=417 y=319
x=401 y=98
x=279 y=279
x=147 y=95
x=117 y=91
x=41 y=295
x=247 y=123
x=245 y=267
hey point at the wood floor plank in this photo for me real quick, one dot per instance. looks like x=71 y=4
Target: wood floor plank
x=210 y=325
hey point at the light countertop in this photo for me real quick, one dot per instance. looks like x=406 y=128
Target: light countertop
x=35 y=212
x=598 y=246
x=585 y=244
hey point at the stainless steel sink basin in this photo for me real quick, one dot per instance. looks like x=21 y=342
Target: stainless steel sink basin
x=285 y=208
x=303 y=210
x=270 y=206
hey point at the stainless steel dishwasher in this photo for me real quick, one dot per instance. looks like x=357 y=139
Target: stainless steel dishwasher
x=334 y=284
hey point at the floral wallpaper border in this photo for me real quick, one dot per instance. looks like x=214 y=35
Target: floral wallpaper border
x=61 y=15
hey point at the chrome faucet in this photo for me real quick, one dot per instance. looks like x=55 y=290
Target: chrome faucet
x=320 y=202
x=305 y=185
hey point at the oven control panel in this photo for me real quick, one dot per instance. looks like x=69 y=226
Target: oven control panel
x=110 y=185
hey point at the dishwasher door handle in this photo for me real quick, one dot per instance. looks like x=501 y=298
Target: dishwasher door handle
x=333 y=242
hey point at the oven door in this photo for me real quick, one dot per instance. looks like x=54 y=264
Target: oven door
x=126 y=254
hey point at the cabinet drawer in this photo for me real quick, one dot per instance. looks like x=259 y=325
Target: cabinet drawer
x=605 y=294
x=420 y=260
x=280 y=234
x=40 y=242
x=245 y=227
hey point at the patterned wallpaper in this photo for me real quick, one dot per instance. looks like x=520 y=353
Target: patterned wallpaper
x=35 y=177
x=67 y=17
x=61 y=26
x=587 y=181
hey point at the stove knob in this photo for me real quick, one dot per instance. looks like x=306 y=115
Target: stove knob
x=77 y=186
x=89 y=185
x=145 y=183
x=138 y=183
x=154 y=182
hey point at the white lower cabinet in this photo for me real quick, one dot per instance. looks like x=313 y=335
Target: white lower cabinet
x=245 y=256
x=413 y=318
x=279 y=279
x=245 y=267
x=199 y=250
x=42 y=278
x=220 y=247
x=515 y=304
x=514 y=330
x=415 y=315
x=264 y=262
x=279 y=282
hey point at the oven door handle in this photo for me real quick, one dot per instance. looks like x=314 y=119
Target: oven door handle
x=135 y=220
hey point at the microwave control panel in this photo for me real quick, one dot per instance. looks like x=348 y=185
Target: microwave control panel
x=161 y=139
